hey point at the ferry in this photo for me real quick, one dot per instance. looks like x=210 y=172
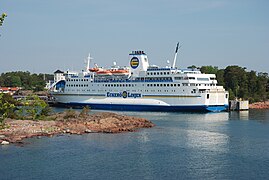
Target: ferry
x=141 y=87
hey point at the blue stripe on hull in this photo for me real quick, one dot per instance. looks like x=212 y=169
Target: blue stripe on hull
x=127 y=107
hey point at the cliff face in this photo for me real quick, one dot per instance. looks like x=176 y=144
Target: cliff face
x=17 y=130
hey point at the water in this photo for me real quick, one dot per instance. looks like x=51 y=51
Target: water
x=182 y=146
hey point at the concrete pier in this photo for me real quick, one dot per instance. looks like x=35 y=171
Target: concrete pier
x=238 y=105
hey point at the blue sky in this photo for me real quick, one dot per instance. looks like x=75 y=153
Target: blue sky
x=42 y=36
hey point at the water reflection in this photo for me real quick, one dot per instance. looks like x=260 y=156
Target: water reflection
x=239 y=115
x=205 y=140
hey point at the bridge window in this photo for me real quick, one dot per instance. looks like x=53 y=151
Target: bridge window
x=207 y=96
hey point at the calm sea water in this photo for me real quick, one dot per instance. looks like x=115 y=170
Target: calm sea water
x=182 y=146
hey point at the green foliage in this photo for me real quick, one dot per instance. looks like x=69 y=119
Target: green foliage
x=240 y=83
x=85 y=112
x=220 y=77
x=7 y=107
x=70 y=113
x=235 y=78
x=25 y=80
x=2 y=18
x=32 y=107
x=192 y=67
x=209 y=69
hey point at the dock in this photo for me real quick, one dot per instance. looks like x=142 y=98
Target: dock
x=238 y=105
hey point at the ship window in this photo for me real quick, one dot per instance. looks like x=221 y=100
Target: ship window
x=154 y=84
x=161 y=85
x=207 y=96
x=168 y=73
x=178 y=78
x=164 y=73
x=158 y=85
x=158 y=73
x=161 y=73
x=202 y=79
x=167 y=85
x=117 y=85
x=154 y=73
x=226 y=96
x=147 y=73
x=164 y=85
x=178 y=84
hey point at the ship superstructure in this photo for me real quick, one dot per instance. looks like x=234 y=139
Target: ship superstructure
x=142 y=87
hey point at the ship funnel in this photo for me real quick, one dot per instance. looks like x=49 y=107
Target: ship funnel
x=138 y=62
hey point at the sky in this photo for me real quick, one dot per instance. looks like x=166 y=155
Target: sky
x=42 y=36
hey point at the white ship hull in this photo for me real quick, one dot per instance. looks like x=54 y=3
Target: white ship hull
x=146 y=102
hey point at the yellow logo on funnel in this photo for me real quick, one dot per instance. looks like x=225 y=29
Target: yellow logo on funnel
x=134 y=63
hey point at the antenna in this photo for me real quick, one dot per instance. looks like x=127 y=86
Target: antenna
x=175 y=59
x=88 y=62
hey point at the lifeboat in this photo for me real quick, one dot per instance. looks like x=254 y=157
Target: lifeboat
x=104 y=73
x=94 y=69
x=119 y=72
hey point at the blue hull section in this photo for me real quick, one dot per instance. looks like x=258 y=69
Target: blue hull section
x=127 y=107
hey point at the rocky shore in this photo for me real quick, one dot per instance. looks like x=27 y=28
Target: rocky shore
x=259 y=105
x=17 y=130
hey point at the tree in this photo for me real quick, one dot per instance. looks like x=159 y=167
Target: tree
x=25 y=80
x=33 y=107
x=192 y=67
x=262 y=81
x=220 y=77
x=2 y=18
x=7 y=107
x=209 y=69
x=235 y=78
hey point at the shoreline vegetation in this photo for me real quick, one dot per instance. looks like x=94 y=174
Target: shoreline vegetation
x=70 y=122
x=31 y=116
